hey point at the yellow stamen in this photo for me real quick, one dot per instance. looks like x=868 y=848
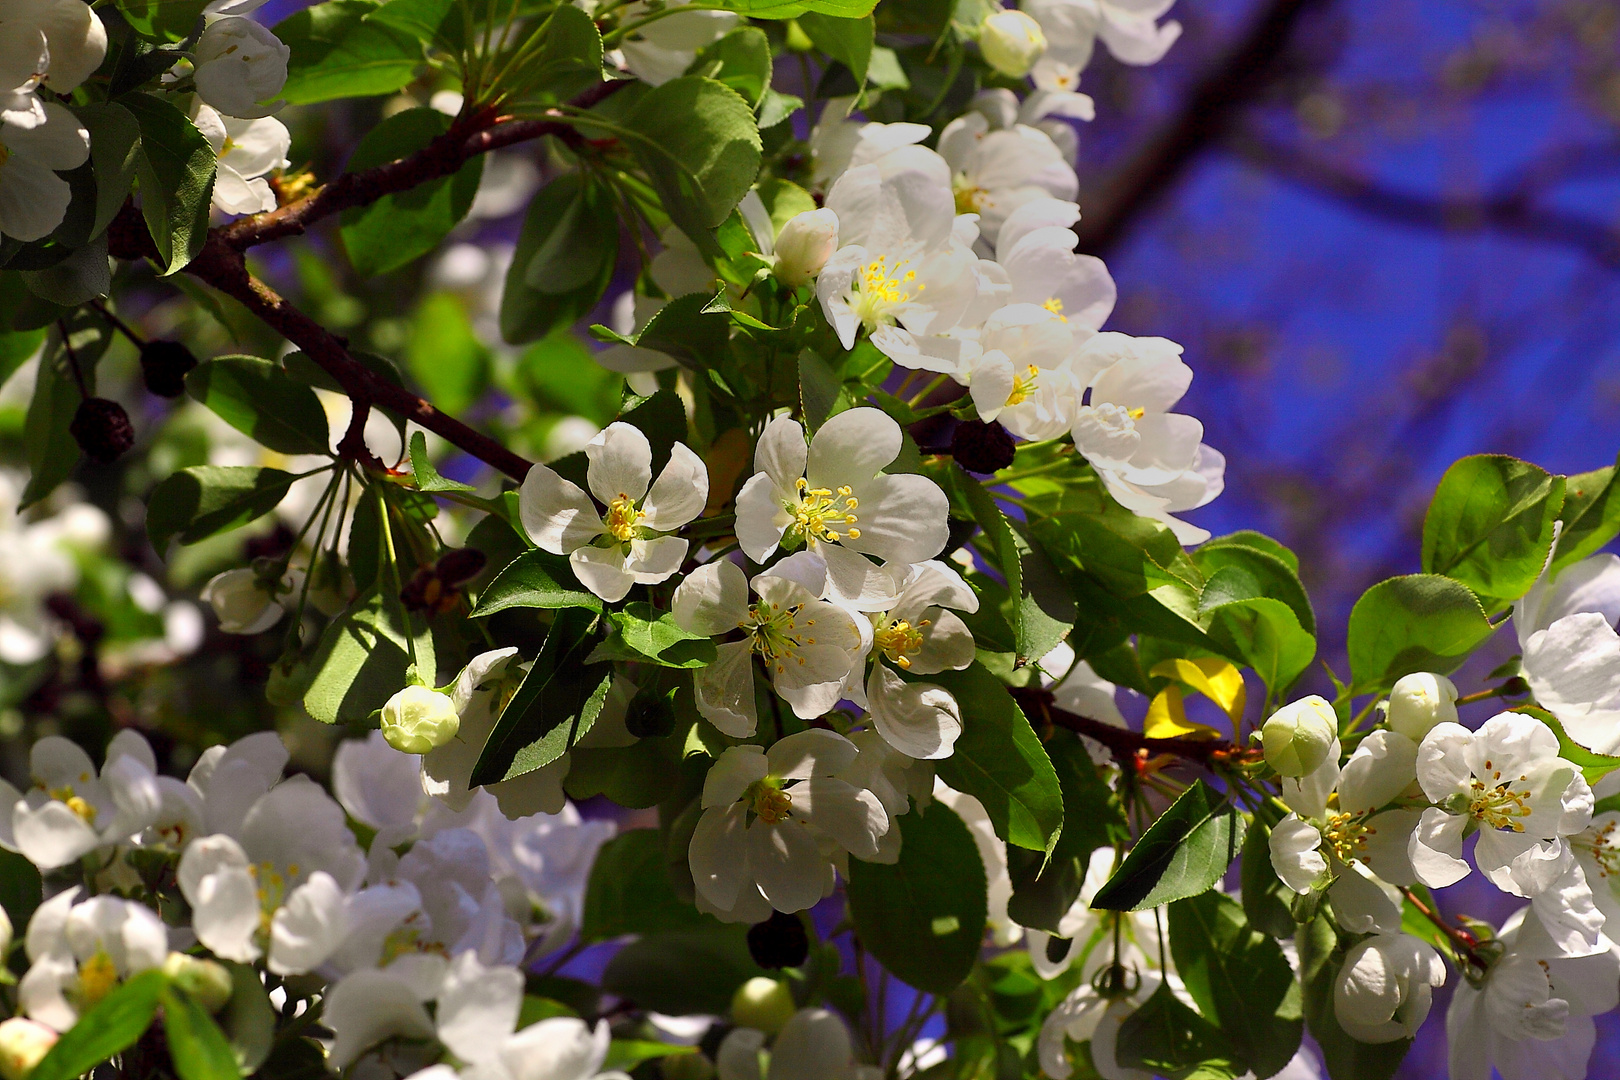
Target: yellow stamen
x=769 y=802
x=1055 y=306
x=1023 y=386
x=97 y=977
x=1499 y=806
x=898 y=639
x=623 y=519
x=817 y=516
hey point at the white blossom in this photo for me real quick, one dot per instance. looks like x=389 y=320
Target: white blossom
x=240 y=66
x=72 y=810
x=1129 y=28
x=663 y=49
x=994 y=172
x=33 y=198
x=54 y=43
x=1385 y=987
x=81 y=949
x=247 y=151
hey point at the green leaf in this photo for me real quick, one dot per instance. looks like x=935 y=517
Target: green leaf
x=688 y=330
x=849 y=41
x=1491 y=524
x=445 y=355
x=1166 y=1038
x=1346 y=1059
x=160 y=20
x=426 y=476
x=1258 y=631
x=108 y=1028
x=530 y=581
x=629 y=893
x=1420 y=622
x=652 y=635
x=1591 y=515
x=1267 y=902
x=1185 y=852
x=1044 y=889
x=115 y=152
x=258 y=398
x=683 y=972
x=819 y=388
x=792 y=9
x=248 y=1019
x=199 y=502
x=1239 y=978
x=555 y=705
x=568 y=62
x=425 y=20
x=1271 y=570
x=338 y=52
x=698 y=143
x=740 y=60
x=624 y=1054
x=176 y=173
x=999 y=761
x=1044 y=610
x=573 y=220
x=401 y=227
x=53 y=453
x=1593 y=766
x=363 y=658
x=1257 y=541
x=637 y=776
x=196 y=1045
x=21 y=890
x=923 y=916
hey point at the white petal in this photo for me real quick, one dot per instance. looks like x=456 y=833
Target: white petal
x=851 y=447
x=815 y=752
x=478 y=1007
x=718 y=855
x=712 y=600
x=902 y=517
x=761 y=517
x=851 y=816
x=620 y=463
x=790 y=869
x=309 y=927
x=680 y=493
x=655 y=560
x=781 y=452
x=737 y=768
x=556 y=514
x=921 y=720
x=367 y=1007
x=604 y=571
x=1436 y=848
x=725 y=690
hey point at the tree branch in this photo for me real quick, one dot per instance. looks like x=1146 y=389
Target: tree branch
x=1511 y=213
x=1040 y=705
x=469 y=136
x=1209 y=112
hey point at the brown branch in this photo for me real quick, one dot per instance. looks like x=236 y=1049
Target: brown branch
x=471 y=135
x=1510 y=213
x=1209 y=112
x=1040 y=706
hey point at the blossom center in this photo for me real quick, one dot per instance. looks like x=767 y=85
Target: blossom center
x=1346 y=836
x=1497 y=804
x=1023 y=386
x=1055 y=306
x=81 y=809
x=899 y=639
x=818 y=515
x=769 y=802
x=623 y=519
x=880 y=288
x=776 y=633
x=1604 y=848
x=97 y=977
x=969 y=196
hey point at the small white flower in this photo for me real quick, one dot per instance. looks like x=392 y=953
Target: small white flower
x=631 y=543
x=72 y=810
x=838 y=143
x=1565 y=625
x=54 y=43
x=804 y=245
x=833 y=499
x=23 y=1045
x=245 y=605
x=806 y=644
x=1385 y=987
x=239 y=67
x=993 y=173
x=1129 y=28
x=765 y=817
x=82 y=949
x=1087 y=1015
x=33 y=198
x=1023 y=378
x=247 y=151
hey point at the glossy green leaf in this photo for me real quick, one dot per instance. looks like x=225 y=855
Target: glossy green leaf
x=363 y=658
x=683 y=972
x=1420 y=622
x=1491 y=524
x=402 y=227
x=568 y=62
x=740 y=60
x=1239 y=978
x=637 y=776
x=1270 y=570
x=115 y=152
x=162 y=20
x=425 y=474
x=1258 y=631
x=686 y=329
x=849 y=41
x=1183 y=853
x=52 y=451
x=108 y=1028
x=1591 y=515
x=999 y=761
x=258 y=398
x=337 y=51
x=530 y=581
x=571 y=220
x=437 y=21
x=1044 y=609
x=923 y=916
x=196 y=503
x=1166 y=1038
x=248 y=1019
x=654 y=636
x=197 y=1047
x=629 y=893
x=176 y=172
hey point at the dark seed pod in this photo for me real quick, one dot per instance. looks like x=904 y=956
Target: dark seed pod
x=779 y=941
x=982 y=448
x=102 y=429
x=650 y=715
x=456 y=568
x=165 y=365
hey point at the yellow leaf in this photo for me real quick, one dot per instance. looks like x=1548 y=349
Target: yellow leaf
x=1211 y=676
x=1167 y=719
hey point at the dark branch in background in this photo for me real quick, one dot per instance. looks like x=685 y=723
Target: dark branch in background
x=1041 y=708
x=1207 y=115
x=1512 y=213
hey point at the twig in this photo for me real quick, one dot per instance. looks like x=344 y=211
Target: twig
x=1039 y=705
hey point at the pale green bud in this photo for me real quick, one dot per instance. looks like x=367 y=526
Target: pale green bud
x=23 y=1043
x=804 y=245
x=1011 y=42
x=762 y=1003
x=419 y=719
x=205 y=981
x=686 y=1067
x=5 y=934
x=1420 y=701
x=1299 y=736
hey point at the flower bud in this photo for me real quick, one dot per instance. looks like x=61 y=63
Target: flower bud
x=241 y=602
x=102 y=429
x=764 y=1004
x=418 y=719
x=1011 y=42
x=804 y=245
x=5 y=933
x=239 y=64
x=164 y=366
x=1383 y=991
x=207 y=982
x=1299 y=736
x=23 y=1043
x=686 y=1067
x=1420 y=701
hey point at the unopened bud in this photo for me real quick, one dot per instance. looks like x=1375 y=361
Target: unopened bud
x=779 y=942
x=207 y=982
x=242 y=603
x=1299 y=736
x=804 y=245
x=5 y=934
x=1011 y=42
x=1420 y=701
x=23 y=1044
x=165 y=365
x=102 y=429
x=982 y=448
x=418 y=719
x=764 y=1004
x=650 y=715
x=686 y=1067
